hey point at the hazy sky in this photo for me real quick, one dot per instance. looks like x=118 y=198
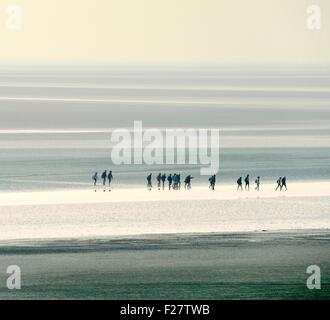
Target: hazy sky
x=165 y=32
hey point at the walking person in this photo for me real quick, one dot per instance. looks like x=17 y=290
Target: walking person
x=149 y=184
x=95 y=178
x=169 y=179
x=159 y=178
x=104 y=178
x=187 y=182
x=163 y=180
x=179 y=181
x=283 y=184
x=247 y=182
x=175 y=181
x=257 y=183
x=212 y=181
x=110 y=177
x=279 y=183
x=239 y=183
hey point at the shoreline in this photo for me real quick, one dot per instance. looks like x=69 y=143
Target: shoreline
x=156 y=239
x=221 y=192
x=85 y=214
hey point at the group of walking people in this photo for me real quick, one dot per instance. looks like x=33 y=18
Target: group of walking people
x=281 y=183
x=106 y=177
x=174 y=181
x=247 y=183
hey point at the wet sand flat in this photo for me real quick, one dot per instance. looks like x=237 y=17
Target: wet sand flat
x=88 y=214
x=256 y=265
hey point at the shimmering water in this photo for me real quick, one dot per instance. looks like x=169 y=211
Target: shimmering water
x=55 y=123
x=27 y=169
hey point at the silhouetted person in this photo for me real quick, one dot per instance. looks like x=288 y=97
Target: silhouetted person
x=279 y=183
x=247 y=182
x=110 y=177
x=104 y=177
x=179 y=181
x=175 y=181
x=95 y=177
x=283 y=185
x=257 y=183
x=187 y=182
x=212 y=182
x=159 y=179
x=163 y=180
x=239 y=183
x=149 y=184
x=169 y=179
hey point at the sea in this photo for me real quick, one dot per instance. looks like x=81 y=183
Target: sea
x=56 y=127
x=56 y=122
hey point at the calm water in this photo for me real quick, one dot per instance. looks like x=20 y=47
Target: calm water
x=26 y=169
x=54 y=133
x=55 y=123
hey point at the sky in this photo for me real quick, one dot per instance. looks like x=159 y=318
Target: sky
x=164 y=32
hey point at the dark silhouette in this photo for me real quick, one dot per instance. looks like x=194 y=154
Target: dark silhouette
x=110 y=177
x=149 y=184
x=95 y=178
x=187 y=182
x=279 y=183
x=284 y=184
x=239 y=183
x=163 y=180
x=104 y=177
x=212 y=182
x=159 y=178
x=179 y=181
x=175 y=181
x=257 y=183
x=247 y=182
x=169 y=179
